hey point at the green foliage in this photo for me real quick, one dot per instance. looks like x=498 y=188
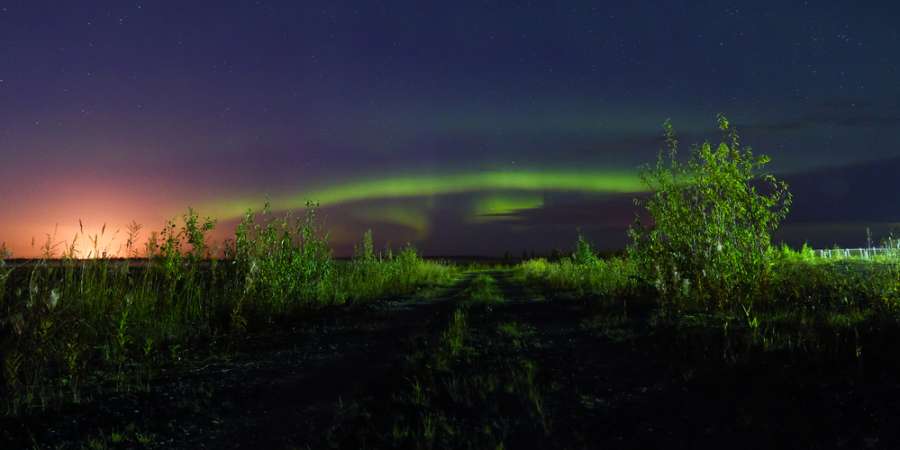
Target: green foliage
x=518 y=333
x=482 y=290
x=584 y=253
x=712 y=219
x=60 y=317
x=454 y=336
x=365 y=251
x=613 y=278
x=194 y=233
x=468 y=386
x=805 y=254
x=807 y=284
x=372 y=276
x=283 y=263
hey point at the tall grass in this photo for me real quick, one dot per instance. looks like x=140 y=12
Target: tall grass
x=66 y=322
x=372 y=275
x=827 y=308
x=799 y=280
x=794 y=280
x=609 y=278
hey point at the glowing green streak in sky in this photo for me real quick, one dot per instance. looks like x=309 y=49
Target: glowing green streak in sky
x=498 y=205
x=409 y=186
x=415 y=218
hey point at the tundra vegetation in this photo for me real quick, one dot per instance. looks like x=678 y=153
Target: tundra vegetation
x=702 y=312
x=68 y=322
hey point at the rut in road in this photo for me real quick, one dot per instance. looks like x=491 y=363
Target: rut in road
x=294 y=392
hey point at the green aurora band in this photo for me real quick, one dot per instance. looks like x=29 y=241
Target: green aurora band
x=413 y=186
x=500 y=205
x=414 y=217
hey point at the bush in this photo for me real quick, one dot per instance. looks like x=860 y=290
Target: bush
x=284 y=263
x=584 y=252
x=711 y=223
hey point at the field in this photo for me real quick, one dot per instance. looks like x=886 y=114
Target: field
x=276 y=344
x=702 y=334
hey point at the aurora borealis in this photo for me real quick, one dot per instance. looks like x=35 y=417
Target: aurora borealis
x=412 y=186
x=463 y=127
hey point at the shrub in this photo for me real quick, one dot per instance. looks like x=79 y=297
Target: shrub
x=364 y=253
x=584 y=252
x=711 y=222
x=284 y=261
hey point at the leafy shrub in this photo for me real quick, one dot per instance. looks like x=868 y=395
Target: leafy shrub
x=711 y=222
x=584 y=253
x=283 y=262
x=365 y=251
x=805 y=254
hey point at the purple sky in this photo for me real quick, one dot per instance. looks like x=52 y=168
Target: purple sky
x=115 y=111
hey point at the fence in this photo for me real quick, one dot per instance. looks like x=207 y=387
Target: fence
x=864 y=253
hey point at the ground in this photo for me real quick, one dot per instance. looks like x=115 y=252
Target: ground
x=522 y=370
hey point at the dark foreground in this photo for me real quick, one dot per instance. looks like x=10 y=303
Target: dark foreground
x=488 y=364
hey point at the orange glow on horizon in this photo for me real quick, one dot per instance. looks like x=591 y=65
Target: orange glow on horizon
x=75 y=211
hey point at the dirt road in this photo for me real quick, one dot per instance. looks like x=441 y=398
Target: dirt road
x=274 y=390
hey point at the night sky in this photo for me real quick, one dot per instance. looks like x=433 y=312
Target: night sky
x=462 y=127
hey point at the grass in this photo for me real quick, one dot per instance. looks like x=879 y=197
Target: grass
x=701 y=304
x=482 y=291
x=817 y=307
x=491 y=379
x=69 y=323
x=486 y=377
x=130 y=437
x=517 y=333
x=468 y=386
x=613 y=278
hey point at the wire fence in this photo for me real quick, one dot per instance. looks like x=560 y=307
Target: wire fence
x=890 y=249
